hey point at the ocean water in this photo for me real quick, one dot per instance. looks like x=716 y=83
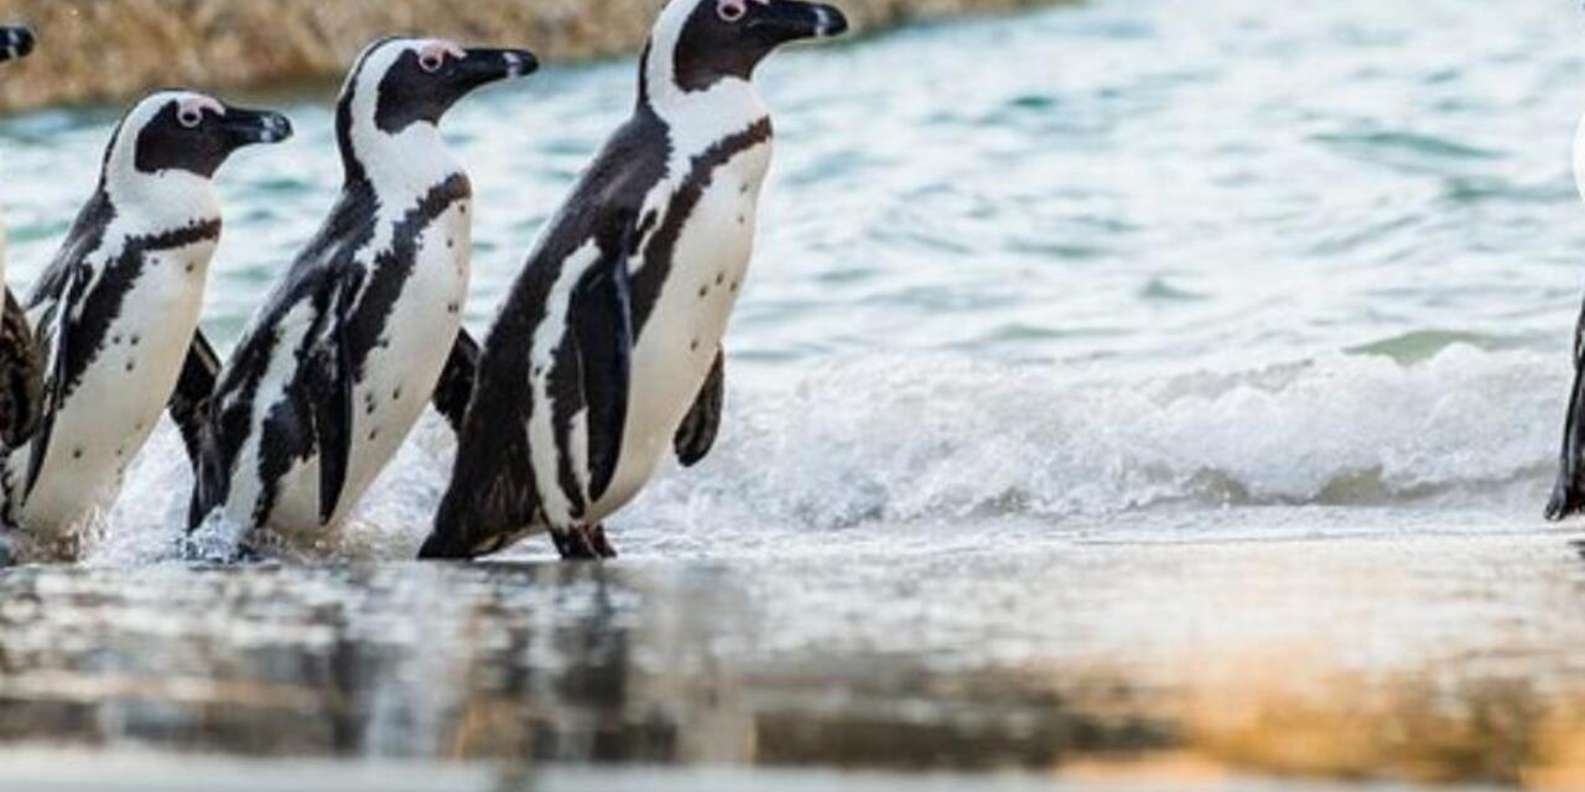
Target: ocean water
x=1062 y=265
x=1117 y=274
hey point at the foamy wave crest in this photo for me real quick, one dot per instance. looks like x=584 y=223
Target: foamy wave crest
x=910 y=439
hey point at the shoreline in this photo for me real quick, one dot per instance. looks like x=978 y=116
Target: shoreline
x=112 y=50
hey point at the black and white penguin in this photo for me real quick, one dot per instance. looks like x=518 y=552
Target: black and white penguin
x=1568 y=492
x=340 y=362
x=116 y=311
x=607 y=352
x=20 y=369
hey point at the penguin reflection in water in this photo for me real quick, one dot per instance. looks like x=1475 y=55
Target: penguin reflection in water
x=607 y=353
x=341 y=360
x=117 y=309
x=20 y=369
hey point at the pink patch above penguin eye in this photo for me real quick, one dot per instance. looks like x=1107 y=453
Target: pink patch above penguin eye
x=731 y=10
x=432 y=54
x=190 y=113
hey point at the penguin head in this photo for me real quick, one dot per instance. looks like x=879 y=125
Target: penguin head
x=15 y=42
x=710 y=40
x=189 y=132
x=401 y=81
x=398 y=83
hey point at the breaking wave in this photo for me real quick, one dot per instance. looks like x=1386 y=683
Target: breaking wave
x=890 y=441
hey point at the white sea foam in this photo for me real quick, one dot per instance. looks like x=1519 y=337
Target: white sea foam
x=885 y=443
x=949 y=439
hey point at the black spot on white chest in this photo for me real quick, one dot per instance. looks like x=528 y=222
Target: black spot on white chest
x=418 y=319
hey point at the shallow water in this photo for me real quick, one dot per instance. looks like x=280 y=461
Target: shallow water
x=1426 y=658
x=1131 y=273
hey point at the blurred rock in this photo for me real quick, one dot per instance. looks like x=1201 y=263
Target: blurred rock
x=109 y=49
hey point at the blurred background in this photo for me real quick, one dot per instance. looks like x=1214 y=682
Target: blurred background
x=110 y=49
x=1126 y=389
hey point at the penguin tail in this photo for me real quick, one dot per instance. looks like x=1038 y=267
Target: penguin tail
x=491 y=494
x=440 y=546
x=450 y=538
x=471 y=522
x=1568 y=492
x=1566 y=501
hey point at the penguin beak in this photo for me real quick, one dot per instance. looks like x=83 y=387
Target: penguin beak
x=782 y=21
x=15 y=42
x=483 y=66
x=244 y=127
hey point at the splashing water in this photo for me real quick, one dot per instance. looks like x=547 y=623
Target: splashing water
x=879 y=444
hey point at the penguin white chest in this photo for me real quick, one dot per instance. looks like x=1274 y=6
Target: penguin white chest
x=109 y=415
x=400 y=372
x=678 y=344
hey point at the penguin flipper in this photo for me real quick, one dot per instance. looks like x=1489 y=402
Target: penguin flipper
x=330 y=381
x=60 y=364
x=1568 y=494
x=23 y=385
x=456 y=380
x=491 y=492
x=190 y=402
x=602 y=324
x=211 y=480
x=696 y=436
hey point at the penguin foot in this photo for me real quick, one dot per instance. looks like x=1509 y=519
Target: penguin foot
x=601 y=544
x=583 y=543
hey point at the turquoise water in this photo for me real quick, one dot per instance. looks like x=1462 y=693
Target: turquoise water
x=1035 y=297
x=1119 y=183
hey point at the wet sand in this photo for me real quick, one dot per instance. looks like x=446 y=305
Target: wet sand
x=1426 y=659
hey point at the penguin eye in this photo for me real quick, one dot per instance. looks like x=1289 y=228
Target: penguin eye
x=731 y=10
x=190 y=117
x=430 y=61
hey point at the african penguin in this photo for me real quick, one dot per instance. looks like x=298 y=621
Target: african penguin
x=351 y=345
x=20 y=372
x=1568 y=492
x=117 y=309
x=607 y=350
